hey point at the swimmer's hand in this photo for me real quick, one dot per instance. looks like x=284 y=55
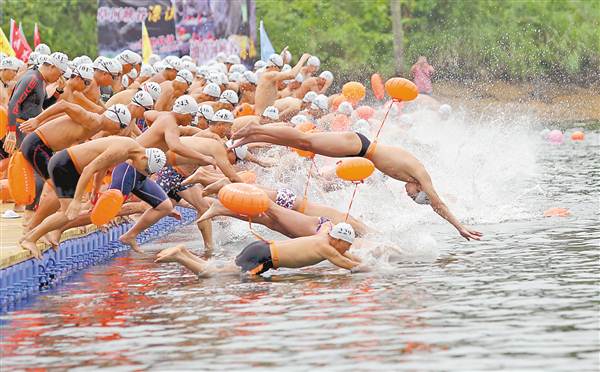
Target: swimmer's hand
x=361 y=268
x=10 y=142
x=29 y=125
x=73 y=209
x=470 y=234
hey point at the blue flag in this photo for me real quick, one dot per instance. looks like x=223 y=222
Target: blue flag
x=266 y=48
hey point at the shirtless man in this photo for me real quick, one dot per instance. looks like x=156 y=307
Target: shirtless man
x=163 y=134
x=171 y=90
x=105 y=71
x=72 y=169
x=311 y=68
x=261 y=256
x=125 y=96
x=140 y=103
x=266 y=89
x=45 y=139
x=392 y=161
x=318 y=85
x=270 y=115
x=219 y=127
x=291 y=86
x=81 y=78
x=209 y=93
x=247 y=88
x=8 y=71
x=290 y=106
x=171 y=66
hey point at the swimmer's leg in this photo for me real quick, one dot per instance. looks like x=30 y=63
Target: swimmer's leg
x=150 y=216
x=51 y=223
x=318 y=210
x=296 y=224
x=48 y=205
x=195 y=264
x=193 y=195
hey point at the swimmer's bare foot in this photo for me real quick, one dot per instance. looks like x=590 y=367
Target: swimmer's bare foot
x=214 y=187
x=53 y=238
x=31 y=247
x=175 y=214
x=216 y=209
x=199 y=176
x=245 y=132
x=130 y=240
x=173 y=254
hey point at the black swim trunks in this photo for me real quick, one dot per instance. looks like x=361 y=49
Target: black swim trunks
x=170 y=181
x=364 y=146
x=37 y=153
x=129 y=181
x=256 y=258
x=64 y=174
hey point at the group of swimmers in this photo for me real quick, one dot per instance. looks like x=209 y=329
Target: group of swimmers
x=171 y=132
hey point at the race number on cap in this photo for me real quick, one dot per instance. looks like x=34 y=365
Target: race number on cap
x=229 y=96
x=9 y=63
x=86 y=72
x=250 y=77
x=309 y=97
x=144 y=99
x=327 y=75
x=189 y=65
x=59 y=60
x=224 y=116
x=343 y=231
x=156 y=159
x=129 y=57
x=207 y=112
x=153 y=88
x=185 y=76
x=185 y=105
x=42 y=49
x=119 y=114
x=271 y=112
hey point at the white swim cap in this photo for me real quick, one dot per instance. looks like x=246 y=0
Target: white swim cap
x=250 y=77
x=221 y=68
x=220 y=57
x=320 y=102
x=185 y=105
x=153 y=88
x=187 y=58
x=238 y=68
x=206 y=111
x=422 y=198
x=9 y=63
x=144 y=99
x=271 y=112
x=298 y=119
x=259 y=64
x=229 y=96
x=224 y=78
x=189 y=65
x=147 y=70
x=85 y=60
x=185 y=76
x=202 y=71
x=445 y=110
x=153 y=59
x=85 y=72
x=299 y=78
x=327 y=75
x=212 y=89
x=214 y=77
x=42 y=49
x=224 y=116
x=232 y=59
x=309 y=97
x=59 y=60
x=33 y=59
x=343 y=231
x=119 y=114
x=313 y=61
x=286 y=68
x=287 y=56
x=236 y=77
x=133 y=74
x=241 y=152
x=109 y=65
x=172 y=62
x=156 y=159
x=345 y=108
x=129 y=57
x=159 y=66
x=275 y=60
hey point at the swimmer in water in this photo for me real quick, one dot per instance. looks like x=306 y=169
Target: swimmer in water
x=73 y=168
x=392 y=161
x=258 y=257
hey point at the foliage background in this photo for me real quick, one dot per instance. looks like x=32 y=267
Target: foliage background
x=464 y=39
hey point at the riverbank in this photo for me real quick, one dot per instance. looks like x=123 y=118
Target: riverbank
x=553 y=104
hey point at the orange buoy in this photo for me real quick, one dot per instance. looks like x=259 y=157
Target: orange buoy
x=4 y=191
x=305 y=127
x=557 y=212
x=340 y=123
x=354 y=169
x=3 y=122
x=353 y=91
x=248 y=176
x=401 y=89
x=245 y=109
x=577 y=136
x=21 y=180
x=377 y=86
x=244 y=199
x=365 y=112
x=107 y=207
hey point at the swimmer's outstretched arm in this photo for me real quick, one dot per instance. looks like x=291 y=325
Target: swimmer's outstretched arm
x=336 y=258
x=88 y=104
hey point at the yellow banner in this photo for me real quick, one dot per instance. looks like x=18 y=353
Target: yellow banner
x=5 y=45
x=146 y=44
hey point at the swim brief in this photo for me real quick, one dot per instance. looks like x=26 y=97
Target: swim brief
x=64 y=173
x=37 y=153
x=285 y=198
x=364 y=145
x=258 y=257
x=170 y=181
x=129 y=181
x=323 y=221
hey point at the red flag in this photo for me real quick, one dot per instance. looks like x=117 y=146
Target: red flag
x=19 y=42
x=37 y=40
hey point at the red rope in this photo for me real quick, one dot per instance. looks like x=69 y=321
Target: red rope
x=308 y=178
x=351 y=200
x=254 y=232
x=385 y=117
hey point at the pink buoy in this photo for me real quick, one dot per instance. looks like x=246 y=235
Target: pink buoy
x=365 y=112
x=555 y=136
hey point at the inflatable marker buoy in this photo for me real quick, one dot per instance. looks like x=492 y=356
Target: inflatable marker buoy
x=354 y=169
x=577 y=136
x=3 y=122
x=4 y=191
x=21 y=180
x=244 y=199
x=365 y=112
x=377 y=86
x=244 y=110
x=340 y=123
x=107 y=207
x=555 y=137
x=305 y=127
x=557 y=212
x=354 y=91
x=337 y=100
x=401 y=89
